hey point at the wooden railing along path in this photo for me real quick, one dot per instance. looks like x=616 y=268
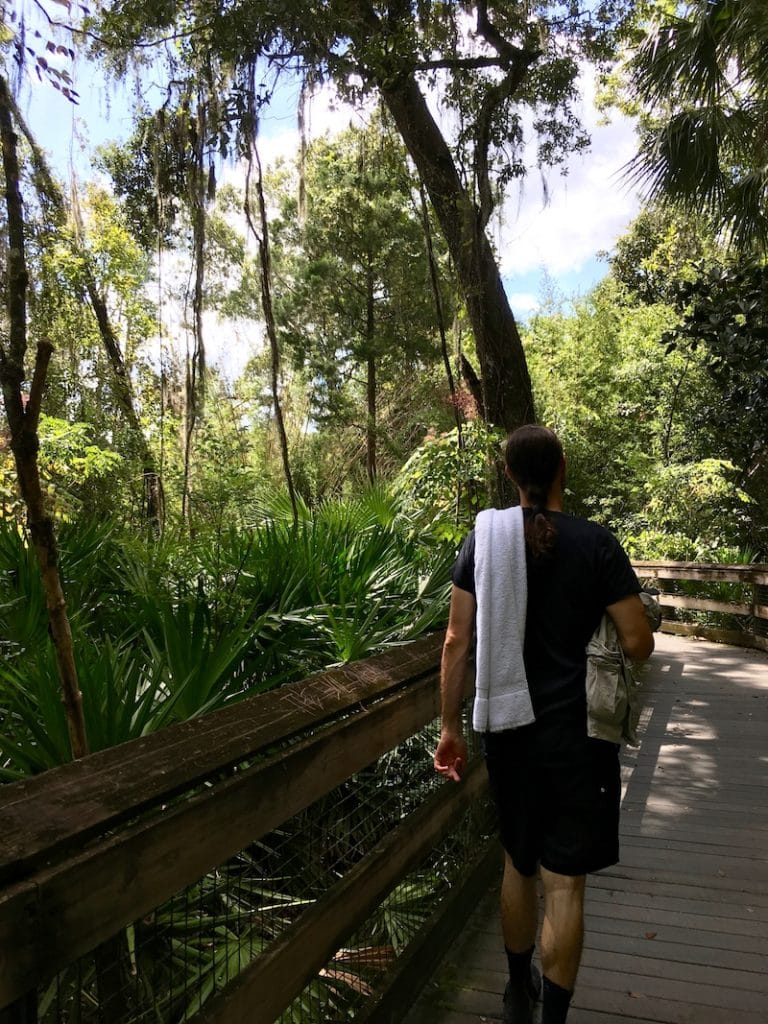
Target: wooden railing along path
x=88 y=848
x=749 y=605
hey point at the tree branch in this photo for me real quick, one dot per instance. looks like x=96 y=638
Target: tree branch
x=137 y=45
x=473 y=381
x=518 y=61
x=34 y=404
x=461 y=63
x=510 y=53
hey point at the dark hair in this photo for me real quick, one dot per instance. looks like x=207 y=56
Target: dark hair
x=534 y=456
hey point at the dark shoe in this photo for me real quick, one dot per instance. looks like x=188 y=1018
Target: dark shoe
x=517 y=1007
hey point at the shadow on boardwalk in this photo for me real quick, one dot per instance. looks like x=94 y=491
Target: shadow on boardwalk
x=677 y=933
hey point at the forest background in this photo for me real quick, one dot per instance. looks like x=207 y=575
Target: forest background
x=221 y=532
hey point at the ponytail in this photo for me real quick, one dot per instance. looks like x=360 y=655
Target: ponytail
x=540 y=534
x=534 y=456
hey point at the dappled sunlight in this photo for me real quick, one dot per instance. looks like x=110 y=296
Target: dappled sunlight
x=684 y=760
x=694 y=731
x=663 y=805
x=701 y=745
x=718 y=663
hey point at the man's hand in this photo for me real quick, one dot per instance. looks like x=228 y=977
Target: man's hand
x=451 y=755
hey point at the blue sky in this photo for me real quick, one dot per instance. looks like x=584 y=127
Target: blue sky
x=541 y=244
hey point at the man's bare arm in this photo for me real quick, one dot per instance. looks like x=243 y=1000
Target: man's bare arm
x=632 y=627
x=451 y=753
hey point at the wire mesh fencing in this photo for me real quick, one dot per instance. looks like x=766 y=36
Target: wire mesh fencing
x=166 y=967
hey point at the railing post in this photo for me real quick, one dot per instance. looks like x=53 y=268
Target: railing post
x=759 y=600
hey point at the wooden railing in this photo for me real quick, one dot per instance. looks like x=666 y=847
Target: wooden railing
x=88 y=848
x=749 y=606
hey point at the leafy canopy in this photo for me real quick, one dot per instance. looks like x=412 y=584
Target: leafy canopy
x=700 y=75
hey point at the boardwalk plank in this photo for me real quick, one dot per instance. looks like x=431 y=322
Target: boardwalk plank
x=668 y=1011
x=641 y=986
x=724 y=912
x=640 y=948
x=758 y=893
x=616 y=884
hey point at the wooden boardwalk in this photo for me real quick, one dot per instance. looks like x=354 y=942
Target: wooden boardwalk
x=678 y=932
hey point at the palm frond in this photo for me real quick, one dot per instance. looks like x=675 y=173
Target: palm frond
x=702 y=77
x=681 y=57
x=679 y=159
x=745 y=210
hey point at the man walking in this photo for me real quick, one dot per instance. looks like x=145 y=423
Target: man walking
x=534 y=583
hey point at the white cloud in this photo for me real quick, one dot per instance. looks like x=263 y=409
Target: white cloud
x=587 y=209
x=523 y=302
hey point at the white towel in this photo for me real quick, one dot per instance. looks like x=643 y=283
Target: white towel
x=502 y=700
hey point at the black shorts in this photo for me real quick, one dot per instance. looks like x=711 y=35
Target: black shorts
x=557 y=793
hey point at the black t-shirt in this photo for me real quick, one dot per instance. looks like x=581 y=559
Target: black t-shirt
x=568 y=592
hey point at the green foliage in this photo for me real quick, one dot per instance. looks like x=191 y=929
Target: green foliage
x=403 y=912
x=638 y=422
x=445 y=483
x=600 y=385
x=71 y=262
x=692 y=512
x=73 y=469
x=147 y=173
x=360 y=49
x=660 y=251
x=162 y=634
x=354 y=303
x=725 y=317
x=719 y=329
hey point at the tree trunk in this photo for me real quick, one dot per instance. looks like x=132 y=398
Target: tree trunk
x=370 y=387
x=23 y=421
x=123 y=392
x=49 y=190
x=265 y=263
x=506 y=384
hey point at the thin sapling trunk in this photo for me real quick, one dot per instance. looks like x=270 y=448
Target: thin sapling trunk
x=23 y=420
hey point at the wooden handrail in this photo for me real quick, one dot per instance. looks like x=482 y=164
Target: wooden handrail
x=703 y=571
x=47 y=815
x=123 y=852
x=755 y=575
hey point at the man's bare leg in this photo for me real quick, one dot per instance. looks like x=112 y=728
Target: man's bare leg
x=519 y=920
x=562 y=933
x=519 y=908
x=562 y=938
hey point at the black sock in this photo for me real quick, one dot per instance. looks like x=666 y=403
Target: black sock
x=520 y=969
x=555 y=1003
